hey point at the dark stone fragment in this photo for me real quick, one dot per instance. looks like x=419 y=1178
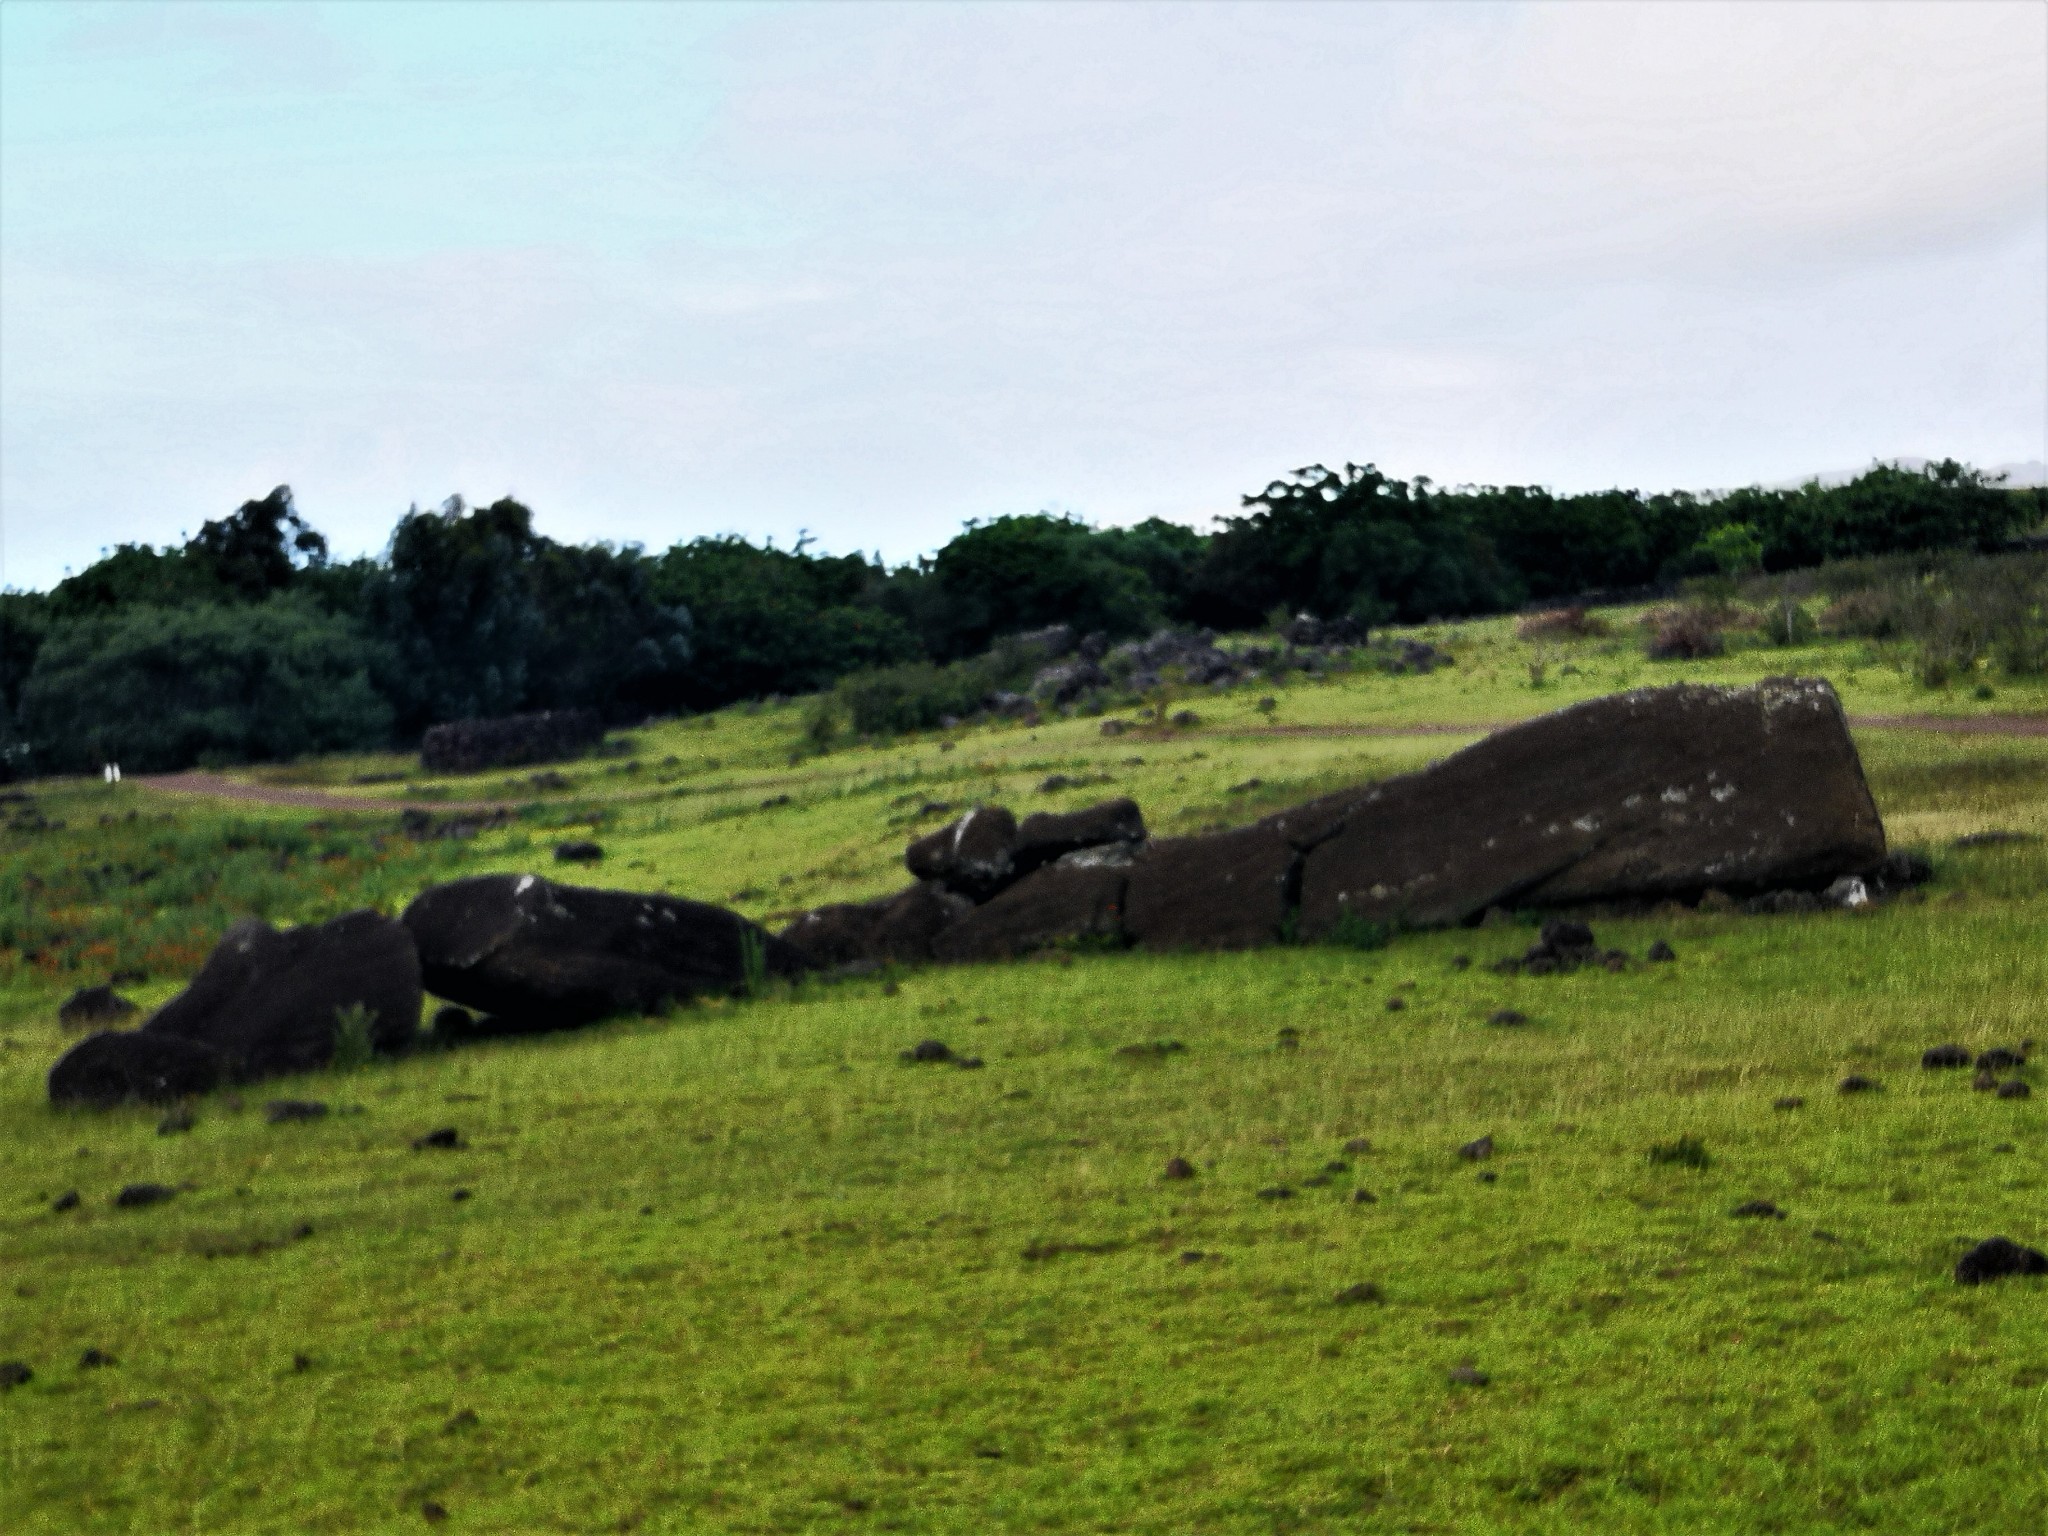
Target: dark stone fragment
x=1355 y=1295
x=1276 y=1192
x=177 y=1122
x=1473 y=1151
x=1178 y=1168
x=432 y=1512
x=1396 y=1004
x=1999 y=1059
x=1507 y=1018
x=1945 y=1056
x=1151 y=1050
x=900 y=927
x=1562 y=935
x=468 y=746
x=1461 y=962
x=1468 y=1376
x=285 y=1111
x=1186 y=719
x=970 y=855
x=1986 y=1081
x=928 y=1051
x=1357 y=1146
x=302 y=1363
x=2014 y=1089
x=1336 y=1165
x=1193 y=1256
x=1661 y=951
x=1763 y=1208
x=1856 y=1082
x=1363 y=1197
x=1997 y=1257
x=96 y=1359
x=447 y=1138
x=453 y=1022
x=106 y=1069
x=1226 y=890
x=68 y=1201
x=1656 y=792
x=94 y=1005
x=1489 y=1177
x=135 y=1196
x=1046 y=835
x=1051 y=906
x=968 y=1063
x=459 y=1195
x=269 y=1001
x=537 y=954
x=1789 y=1101
x=14 y=1374
x=578 y=851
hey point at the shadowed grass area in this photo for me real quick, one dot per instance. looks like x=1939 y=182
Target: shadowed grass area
x=742 y=1268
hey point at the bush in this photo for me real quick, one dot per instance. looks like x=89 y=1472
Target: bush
x=1560 y=624
x=157 y=688
x=1686 y=634
x=1785 y=621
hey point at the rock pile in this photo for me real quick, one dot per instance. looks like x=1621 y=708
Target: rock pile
x=468 y=746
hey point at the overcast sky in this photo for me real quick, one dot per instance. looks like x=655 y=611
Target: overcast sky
x=871 y=270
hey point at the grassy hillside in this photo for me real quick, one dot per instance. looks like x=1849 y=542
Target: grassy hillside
x=743 y=1269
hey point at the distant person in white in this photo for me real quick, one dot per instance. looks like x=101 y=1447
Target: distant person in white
x=112 y=773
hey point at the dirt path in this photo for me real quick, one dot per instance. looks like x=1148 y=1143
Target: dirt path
x=221 y=787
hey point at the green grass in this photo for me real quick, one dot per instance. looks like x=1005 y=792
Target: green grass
x=743 y=1269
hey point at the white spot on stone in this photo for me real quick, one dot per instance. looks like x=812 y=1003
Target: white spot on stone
x=1631 y=802
x=525 y=884
x=1725 y=793
x=1673 y=796
x=1587 y=823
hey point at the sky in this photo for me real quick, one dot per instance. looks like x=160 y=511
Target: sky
x=865 y=272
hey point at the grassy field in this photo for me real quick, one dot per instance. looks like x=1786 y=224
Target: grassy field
x=743 y=1269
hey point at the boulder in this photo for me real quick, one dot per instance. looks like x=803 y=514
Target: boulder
x=269 y=1000
x=1655 y=792
x=467 y=746
x=538 y=954
x=970 y=855
x=94 y=1005
x=1051 y=905
x=1047 y=836
x=899 y=927
x=114 y=1066
x=1223 y=890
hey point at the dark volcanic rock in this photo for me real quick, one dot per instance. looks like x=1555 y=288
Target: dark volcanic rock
x=2014 y=1089
x=972 y=854
x=1227 y=890
x=135 y=1196
x=68 y=1201
x=1048 y=835
x=1178 y=1168
x=1764 y=1209
x=108 y=1068
x=1945 y=1056
x=537 y=954
x=1998 y=1059
x=899 y=927
x=465 y=746
x=287 y=1111
x=1660 y=791
x=266 y=1002
x=1856 y=1082
x=1475 y=1151
x=94 y=1005
x=1660 y=952
x=579 y=851
x=14 y=1374
x=1052 y=905
x=446 y=1139
x=1997 y=1257
x=926 y=1052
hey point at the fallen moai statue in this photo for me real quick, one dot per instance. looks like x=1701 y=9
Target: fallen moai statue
x=535 y=954
x=1656 y=793
x=267 y=1002
x=468 y=746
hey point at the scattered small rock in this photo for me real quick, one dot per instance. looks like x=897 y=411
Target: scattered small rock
x=578 y=851
x=1150 y=1050
x=1789 y=1101
x=176 y=1122
x=1997 y=1257
x=1287 y=1038
x=68 y=1201
x=464 y=1419
x=1856 y=1082
x=447 y=1138
x=1364 y=1291
x=1688 y=1151
x=1336 y=1165
x=1489 y=1177
x=1193 y=1256
x=927 y=1051
x=1474 y=1151
x=94 y=1005
x=1986 y=1081
x=285 y=1111
x=1178 y=1168
x=1468 y=1376
x=1357 y=1146
x=432 y=1513
x=1998 y=1059
x=1762 y=1208
x=1363 y=1197
x=1945 y=1056
x=1186 y=719
x=2014 y=1089
x=1276 y=1192
x=1660 y=952
x=302 y=1363
x=1507 y=1018
x=1396 y=1004
x=14 y=1374
x=95 y=1359
x=459 y=1195
x=968 y=1063
x=134 y=1196
x=773 y=801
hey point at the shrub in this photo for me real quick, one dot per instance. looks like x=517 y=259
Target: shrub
x=1686 y=634
x=1561 y=623
x=1786 y=622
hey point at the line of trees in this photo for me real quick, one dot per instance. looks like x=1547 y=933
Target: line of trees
x=250 y=642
